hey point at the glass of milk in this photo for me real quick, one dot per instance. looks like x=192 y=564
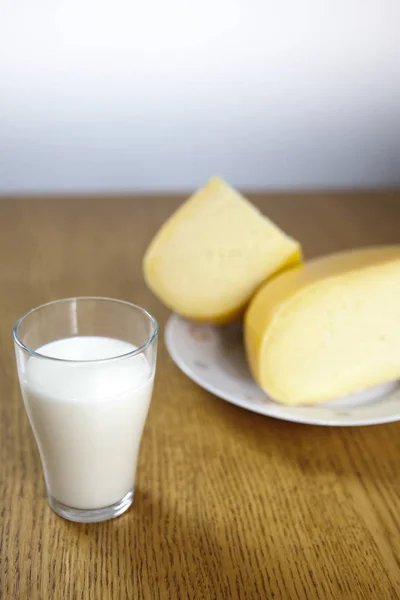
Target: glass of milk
x=86 y=369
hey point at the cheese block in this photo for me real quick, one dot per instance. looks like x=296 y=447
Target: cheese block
x=327 y=329
x=210 y=256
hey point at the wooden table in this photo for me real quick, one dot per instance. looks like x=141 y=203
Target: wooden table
x=228 y=504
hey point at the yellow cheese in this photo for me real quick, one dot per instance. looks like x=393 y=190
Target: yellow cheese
x=327 y=329
x=211 y=255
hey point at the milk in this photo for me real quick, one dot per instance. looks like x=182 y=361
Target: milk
x=88 y=418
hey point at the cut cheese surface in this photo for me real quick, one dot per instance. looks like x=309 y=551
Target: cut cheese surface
x=210 y=256
x=327 y=329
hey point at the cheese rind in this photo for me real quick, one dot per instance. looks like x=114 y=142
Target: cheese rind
x=327 y=329
x=211 y=255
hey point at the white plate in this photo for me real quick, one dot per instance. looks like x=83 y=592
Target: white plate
x=214 y=358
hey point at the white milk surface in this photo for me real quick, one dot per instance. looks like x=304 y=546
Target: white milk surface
x=88 y=418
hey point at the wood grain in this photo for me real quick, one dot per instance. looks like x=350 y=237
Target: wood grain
x=229 y=504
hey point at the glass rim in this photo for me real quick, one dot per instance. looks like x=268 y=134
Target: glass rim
x=135 y=352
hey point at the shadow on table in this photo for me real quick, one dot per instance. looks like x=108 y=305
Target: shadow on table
x=344 y=451
x=162 y=550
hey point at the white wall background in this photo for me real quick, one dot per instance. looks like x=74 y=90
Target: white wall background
x=160 y=94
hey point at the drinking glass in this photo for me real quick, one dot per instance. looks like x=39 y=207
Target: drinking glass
x=86 y=368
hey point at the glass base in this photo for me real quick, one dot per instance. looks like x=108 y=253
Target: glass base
x=95 y=515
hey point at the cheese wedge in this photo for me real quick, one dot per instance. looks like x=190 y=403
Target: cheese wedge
x=208 y=259
x=327 y=329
